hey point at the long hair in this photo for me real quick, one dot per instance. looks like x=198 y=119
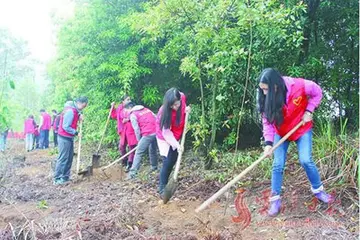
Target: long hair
x=82 y=99
x=124 y=97
x=272 y=103
x=130 y=105
x=171 y=96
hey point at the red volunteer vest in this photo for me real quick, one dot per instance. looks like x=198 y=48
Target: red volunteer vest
x=73 y=125
x=29 y=126
x=294 y=110
x=178 y=129
x=46 y=121
x=146 y=120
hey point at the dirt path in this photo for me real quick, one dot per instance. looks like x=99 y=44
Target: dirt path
x=108 y=208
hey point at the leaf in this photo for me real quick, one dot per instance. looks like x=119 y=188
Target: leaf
x=12 y=84
x=220 y=97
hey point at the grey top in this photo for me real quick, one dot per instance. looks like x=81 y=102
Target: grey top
x=134 y=121
x=68 y=118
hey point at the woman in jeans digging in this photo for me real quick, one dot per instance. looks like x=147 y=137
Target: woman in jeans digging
x=284 y=102
x=170 y=123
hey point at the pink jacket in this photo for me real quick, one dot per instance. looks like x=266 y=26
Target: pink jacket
x=128 y=133
x=125 y=130
x=312 y=91
x=117 y=113
x=46 y=123
x=29 y=127
x=168 y=137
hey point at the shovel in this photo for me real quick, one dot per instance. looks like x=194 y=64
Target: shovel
x=243 y=173
x=119 y=159
x=79 y=149
x=96 y=157
x=173 y=184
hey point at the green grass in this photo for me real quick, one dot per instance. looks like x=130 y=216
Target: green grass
x=335 y=151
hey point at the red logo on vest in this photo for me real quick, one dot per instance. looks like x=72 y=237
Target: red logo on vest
x=297 y=100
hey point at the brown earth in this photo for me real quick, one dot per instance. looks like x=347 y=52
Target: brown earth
x=105 y=206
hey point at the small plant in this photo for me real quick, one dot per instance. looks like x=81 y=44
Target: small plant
x=214 y=155
x=143 y=176
x=113 y=153
x=42 y=205
x=53 y=152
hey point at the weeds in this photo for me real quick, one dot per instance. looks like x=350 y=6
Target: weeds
x=42 y=205
x=335 y=152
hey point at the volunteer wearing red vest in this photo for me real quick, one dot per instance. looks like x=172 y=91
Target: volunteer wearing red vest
x=67 y=131
x=55 y=125
x=143 y=122
x=29 y=130
x=45 y=125
x=37 y=137
x=170 y=123
x=125 y=131
x=283 y=103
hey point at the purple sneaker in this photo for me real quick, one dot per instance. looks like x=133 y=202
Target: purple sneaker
x=275 y=206
x=322 y=195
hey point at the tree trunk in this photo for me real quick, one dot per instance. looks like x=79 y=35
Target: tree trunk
x=312 y=6
x=202 y=94
x=209 y=160
x=241 y=113
x=213 y=113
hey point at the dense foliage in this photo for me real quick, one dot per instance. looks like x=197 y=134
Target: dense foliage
x=213 y=50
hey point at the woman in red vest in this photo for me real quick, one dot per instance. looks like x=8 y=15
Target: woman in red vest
x=143 y=124
x=124 y=130
x=29 y=130
x=170 y=123
x=127 y=138
x=45 y=125
x=283 y=102
x=37 y=137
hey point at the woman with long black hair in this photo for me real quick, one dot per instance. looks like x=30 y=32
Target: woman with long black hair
x=170 y=123
x=284 y=102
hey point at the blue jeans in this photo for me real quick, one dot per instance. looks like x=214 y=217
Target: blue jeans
x=2 y=142
x=168 y=165
x=36 y=142
x=65 y=159
x=55 y=139
x=145 y=143
x=29 y=141
x=44 y=139
x=304 y=146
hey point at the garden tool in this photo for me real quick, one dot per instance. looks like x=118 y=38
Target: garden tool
x=96 y=157
x=173 y=184
x=247 y=170
x=121 y=158
x=79 y=149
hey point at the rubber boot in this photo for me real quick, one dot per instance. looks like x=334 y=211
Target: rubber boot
x=322 y=195
x=275 y=206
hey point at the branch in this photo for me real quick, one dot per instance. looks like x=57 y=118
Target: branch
x=246 y=84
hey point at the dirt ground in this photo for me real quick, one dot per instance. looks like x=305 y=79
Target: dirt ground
x=108 y=207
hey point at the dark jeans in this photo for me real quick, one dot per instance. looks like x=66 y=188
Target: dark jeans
x=44 y=139
x=55 y=139
x=65 y=159
x=168 y=165
x=130 y=158
x=36 y=142
x=146 y=143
